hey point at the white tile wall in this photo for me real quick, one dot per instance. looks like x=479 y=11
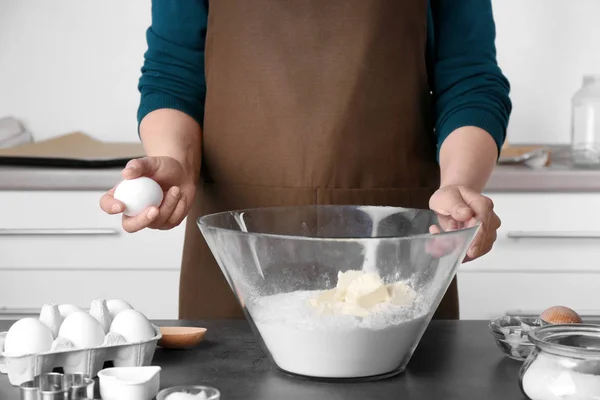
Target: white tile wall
x=92 y=50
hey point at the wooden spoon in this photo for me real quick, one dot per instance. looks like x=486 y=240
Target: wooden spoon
x=180 y=337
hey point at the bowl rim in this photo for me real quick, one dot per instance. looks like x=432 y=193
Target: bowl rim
x=201 y=223
x=538 y=337
x=494 y=323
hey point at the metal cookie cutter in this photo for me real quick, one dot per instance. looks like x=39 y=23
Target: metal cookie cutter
x=55 y=386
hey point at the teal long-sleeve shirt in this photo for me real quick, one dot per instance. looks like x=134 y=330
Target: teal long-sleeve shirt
x=467 y=85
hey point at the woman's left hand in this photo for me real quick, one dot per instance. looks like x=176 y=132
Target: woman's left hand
x=460 y=207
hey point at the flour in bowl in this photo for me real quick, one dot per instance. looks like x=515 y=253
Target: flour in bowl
x=361 y=328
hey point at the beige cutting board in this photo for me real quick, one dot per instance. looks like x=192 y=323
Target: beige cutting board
x=76 y=146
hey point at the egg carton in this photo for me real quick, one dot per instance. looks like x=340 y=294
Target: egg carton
x=87 y=361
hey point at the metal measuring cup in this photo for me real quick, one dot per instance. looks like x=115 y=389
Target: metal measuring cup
x=55 y=386
x=80 y=386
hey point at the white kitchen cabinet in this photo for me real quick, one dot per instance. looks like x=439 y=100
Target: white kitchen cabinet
x=547 y=253
x=58 y=246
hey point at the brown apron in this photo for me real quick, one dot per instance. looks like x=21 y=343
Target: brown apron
x=309 y=102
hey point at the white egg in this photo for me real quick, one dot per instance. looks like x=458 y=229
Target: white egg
x=115 y=306
x=83 y=330
x=138 y=194
x=50 y=316
x=67 y=309
x=133 y=326
x=28 y=336
x=99 y=310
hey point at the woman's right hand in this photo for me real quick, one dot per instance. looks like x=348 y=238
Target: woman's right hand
x=179 y=187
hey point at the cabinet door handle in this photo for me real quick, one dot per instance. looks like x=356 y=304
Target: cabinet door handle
x=60 y=232
x=553 y=235
x=4 y=311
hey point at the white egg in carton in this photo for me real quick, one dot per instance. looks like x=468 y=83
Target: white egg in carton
x=78 y=341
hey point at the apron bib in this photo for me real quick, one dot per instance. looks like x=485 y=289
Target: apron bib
x=309 y=102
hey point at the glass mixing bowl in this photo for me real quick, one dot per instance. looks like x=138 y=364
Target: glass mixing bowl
x=279 y=260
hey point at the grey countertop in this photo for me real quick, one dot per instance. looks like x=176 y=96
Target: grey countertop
x=454 y=360
x=560 y=176
x=556 y=178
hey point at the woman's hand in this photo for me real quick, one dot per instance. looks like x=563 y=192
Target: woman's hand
x=460 y=207
x=178 y=184
x=172 y=142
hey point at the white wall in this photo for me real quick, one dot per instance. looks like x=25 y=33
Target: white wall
x=70 y=65
x=544 y=47
x=73 y=65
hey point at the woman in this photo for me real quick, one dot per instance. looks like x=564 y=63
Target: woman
x=296 y=102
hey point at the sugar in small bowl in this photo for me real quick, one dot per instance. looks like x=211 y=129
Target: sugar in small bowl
x=510 y=333
x=189 y=393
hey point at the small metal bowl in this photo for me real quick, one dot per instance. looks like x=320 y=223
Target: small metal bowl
x=511 y=333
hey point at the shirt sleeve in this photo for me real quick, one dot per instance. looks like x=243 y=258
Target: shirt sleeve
x=173 y=69
x=468 y=87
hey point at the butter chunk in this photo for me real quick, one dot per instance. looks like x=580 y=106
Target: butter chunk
x=358 y=292
x=401 y=294
x=366 y=291
x=345 y=279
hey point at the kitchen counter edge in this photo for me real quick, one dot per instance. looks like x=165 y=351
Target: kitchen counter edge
x=504 y=179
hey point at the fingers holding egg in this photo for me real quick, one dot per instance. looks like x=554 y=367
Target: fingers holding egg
x=139 y=222
x=167 y=207
x=109 y=204
x=141 y=196
x=145 y=166
x=178 y=215
x=138 y=194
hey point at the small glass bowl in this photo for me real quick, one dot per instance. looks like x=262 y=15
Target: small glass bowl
x=565 y=363
x=511 y=333
x=211 y=392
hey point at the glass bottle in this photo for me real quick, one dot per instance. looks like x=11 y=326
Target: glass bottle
x=565 y=363
x=585 y=123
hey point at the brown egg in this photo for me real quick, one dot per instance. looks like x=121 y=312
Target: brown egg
x=560 y=315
